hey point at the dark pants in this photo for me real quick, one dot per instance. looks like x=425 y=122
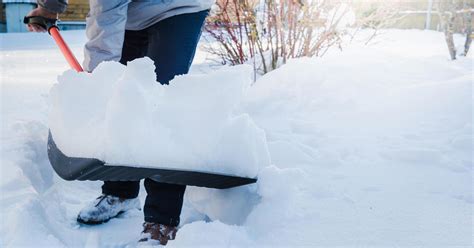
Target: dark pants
x=171 y=44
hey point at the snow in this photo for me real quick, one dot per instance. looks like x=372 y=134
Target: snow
x=371 y=146
x=120 y=115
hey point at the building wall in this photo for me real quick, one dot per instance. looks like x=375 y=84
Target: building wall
x=417 y=21
x=15 y=11
x=412 y=13
x=77 y=11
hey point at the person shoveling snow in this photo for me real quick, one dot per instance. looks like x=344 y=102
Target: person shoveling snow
x=124 y=117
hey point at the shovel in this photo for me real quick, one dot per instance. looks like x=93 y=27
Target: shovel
x=77 y=168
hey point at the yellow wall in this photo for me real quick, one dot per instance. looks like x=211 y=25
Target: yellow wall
x=76 y=11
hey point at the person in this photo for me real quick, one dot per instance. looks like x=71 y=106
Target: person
x=168 y=32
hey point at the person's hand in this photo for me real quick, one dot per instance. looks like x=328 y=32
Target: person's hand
x=40 y=11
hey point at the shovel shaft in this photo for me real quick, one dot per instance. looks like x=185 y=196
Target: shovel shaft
x=54 y=31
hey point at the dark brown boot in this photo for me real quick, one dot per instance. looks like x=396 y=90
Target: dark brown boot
x=158 y=232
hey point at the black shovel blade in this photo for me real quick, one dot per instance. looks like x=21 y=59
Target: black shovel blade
x=73 y=168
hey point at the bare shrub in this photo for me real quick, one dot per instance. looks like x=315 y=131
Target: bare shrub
x=272 y=31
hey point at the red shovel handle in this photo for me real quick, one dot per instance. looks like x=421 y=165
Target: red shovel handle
x=71 y=59
x=53 y=30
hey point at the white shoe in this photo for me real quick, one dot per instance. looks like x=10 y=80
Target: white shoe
x=106 y=207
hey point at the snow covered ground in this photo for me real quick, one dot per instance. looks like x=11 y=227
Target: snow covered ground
x=371 y=146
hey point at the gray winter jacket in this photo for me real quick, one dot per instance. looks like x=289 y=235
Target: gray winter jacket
x=108 y=19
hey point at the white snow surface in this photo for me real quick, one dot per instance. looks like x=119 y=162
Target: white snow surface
x=121 y=115
x=371 y=146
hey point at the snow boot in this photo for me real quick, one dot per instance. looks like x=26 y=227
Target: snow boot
x=106 y=207
x=155 y=232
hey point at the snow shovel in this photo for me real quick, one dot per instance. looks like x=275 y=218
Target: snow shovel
x=76 y=168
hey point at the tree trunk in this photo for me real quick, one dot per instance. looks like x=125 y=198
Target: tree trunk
x=448 y=35
x=468 y=21
x=447 y=15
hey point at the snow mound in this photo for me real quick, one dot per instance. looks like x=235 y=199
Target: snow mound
x=121 y=115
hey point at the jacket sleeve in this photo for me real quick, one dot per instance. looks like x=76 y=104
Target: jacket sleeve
x=55 y=6
x=105 y=32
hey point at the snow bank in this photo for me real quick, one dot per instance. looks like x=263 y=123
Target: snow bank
x=121 y=115
x=368 y=145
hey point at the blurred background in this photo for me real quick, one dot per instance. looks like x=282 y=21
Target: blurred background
x=310 y=27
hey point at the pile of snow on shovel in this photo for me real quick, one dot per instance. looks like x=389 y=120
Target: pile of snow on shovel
x=121 y=115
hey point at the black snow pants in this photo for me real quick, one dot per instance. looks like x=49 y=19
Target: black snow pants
x=171 y=44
